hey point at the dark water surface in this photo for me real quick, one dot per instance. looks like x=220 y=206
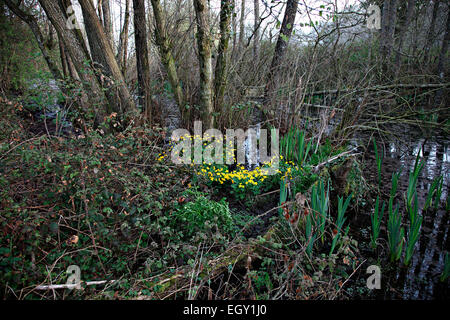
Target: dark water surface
x=421 y=279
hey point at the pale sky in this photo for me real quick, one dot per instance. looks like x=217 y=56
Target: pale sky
x=314 y=8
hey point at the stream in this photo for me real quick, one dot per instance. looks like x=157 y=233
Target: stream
x=421 y=279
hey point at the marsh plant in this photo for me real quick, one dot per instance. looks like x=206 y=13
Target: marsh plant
x=435 y=191
x=319 y=205
x=376 y=219
x=342 y=207
x=412 y=185
x=294 y=146
x=412 y=207
x=379 y=161
x=415 y=224
x=394 y=226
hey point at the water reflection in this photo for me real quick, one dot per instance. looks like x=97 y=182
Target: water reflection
x=420 y=279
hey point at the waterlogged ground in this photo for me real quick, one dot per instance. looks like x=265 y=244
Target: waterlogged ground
x=421 y=279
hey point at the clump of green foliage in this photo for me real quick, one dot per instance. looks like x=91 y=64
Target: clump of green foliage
x=202 y=218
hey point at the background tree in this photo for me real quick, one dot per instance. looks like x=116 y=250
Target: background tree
x=221 y=75
x=205 y=62
x=102 y=54
x=256 y=31
x=107 y=22
x=143 y=66
x=165 y=51
x=280 y=49
x=431 y=31
x=78 y=56
x=122 y=52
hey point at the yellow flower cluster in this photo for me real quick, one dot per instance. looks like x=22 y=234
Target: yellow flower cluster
x=240 y=176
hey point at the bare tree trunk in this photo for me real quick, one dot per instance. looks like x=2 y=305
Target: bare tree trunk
x=442 y=59
x=122 y=52
x=78 y=55
x=64 y=5
x=102 y=53
x=205 y=62
x=404 y=29
x=68 y=67
x=221 y=76
x=100 y=11
x=280 y=49
x=234 y=23
x=166 y=53
x=149 y=17
x=107 y=23
x=431 y=31
x=143 y=66
x=256 y=32
x=242 y=25
x=64 y=62
x=388 y=28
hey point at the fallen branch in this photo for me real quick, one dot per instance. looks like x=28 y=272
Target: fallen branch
x=72 y=285
x=320 y=165
x=386 y=87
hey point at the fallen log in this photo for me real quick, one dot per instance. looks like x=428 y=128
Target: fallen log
x=385 y=87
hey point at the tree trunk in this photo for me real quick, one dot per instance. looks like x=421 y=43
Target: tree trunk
x=64 y=5
x=242 y=25
x=143 y=66
x=221 y=76
x=234 y=23
x=166 y=53
x=280 y=49
x=404 y=29
x=205 y=62
x=78 y=55
x=64 y=62
x=100 y=11
x=430 y=36
x=107 y=23
x=122 y=52
x=256 y=32
x=102 y=53
x=442 y=59
x=388 y=28
x=67 y=65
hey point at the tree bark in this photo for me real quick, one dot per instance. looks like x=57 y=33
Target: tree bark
x=234 y=23
x=280 y=49
x=100 y=11
x=242 y=25
x=122 y=52
x=166 y=53
x=102 y=54
x=205 y=62
x=64 y=63
x=107 y=23
x=442 y=59
x=404 y=29
x=388 y=28
x=221 y=76
x=143 y=66
x=64 y=5
x=256 y=32
x=430 y=36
